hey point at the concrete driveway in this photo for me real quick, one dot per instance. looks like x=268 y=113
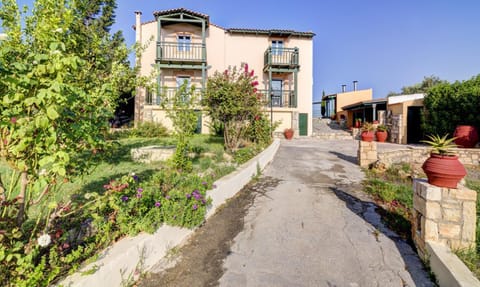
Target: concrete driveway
x=316 y=229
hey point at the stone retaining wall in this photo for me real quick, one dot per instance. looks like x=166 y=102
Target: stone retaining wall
x=417 y=155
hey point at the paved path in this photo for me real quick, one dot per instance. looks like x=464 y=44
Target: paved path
x=315 y=229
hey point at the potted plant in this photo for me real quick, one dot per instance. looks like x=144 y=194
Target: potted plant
x=443 y=168
x=358 y=123
x=367 y=132
x=288 y=133
x=381 y=133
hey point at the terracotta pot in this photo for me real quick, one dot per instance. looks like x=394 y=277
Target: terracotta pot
x=444 y=170
x=288 y=134
x=381 y=136
x=367 y=136
x=466 y=136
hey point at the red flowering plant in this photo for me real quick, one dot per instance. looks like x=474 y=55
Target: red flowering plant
x=232 y=99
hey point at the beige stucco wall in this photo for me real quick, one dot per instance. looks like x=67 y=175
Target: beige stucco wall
x=402 y=109
x=223 y=50
x=348 y=98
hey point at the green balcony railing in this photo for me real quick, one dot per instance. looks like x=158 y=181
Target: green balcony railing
x=181 y=52
x=167 y=94
x=279 y=98
x=281 y=57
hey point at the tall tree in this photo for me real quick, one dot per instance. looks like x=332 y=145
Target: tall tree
x=423 y=87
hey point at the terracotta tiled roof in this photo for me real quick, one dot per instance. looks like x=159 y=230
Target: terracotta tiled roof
x=278 y=32
x=181 y=10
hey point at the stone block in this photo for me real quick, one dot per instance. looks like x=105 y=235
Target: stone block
x=464 y=193
x=419 y=204
x=449 y=230
x=452 y=214
x=452 y=204
x=430 y=231
x=432 y=210
x=433 y=193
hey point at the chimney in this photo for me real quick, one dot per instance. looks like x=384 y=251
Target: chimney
x=355 y=85
x=344 y=88
x=138 y=26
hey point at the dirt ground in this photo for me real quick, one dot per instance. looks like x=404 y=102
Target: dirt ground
x=199 y=261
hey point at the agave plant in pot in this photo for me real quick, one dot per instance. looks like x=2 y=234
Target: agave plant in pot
x=443 y=168
x=381 y=133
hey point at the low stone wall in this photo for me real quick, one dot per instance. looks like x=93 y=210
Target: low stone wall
x=417 y=155
x=152 y=153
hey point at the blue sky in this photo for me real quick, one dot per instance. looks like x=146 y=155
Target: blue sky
x=382 y=44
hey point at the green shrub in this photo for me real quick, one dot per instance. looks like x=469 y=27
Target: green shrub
x=149 y=130
x=448 y=105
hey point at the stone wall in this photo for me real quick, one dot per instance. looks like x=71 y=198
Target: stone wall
x=417 y=155
x=152 y=153
x=367 y=153
x=394 y=123
x=443 y=215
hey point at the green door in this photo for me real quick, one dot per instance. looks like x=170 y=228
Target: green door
x=303 y=124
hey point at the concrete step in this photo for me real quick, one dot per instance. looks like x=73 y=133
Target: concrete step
x=333 y=136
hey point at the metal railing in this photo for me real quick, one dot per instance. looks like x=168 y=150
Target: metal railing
x=181 y=52
x=167 y=94
x=274 y=56
x=277 y=98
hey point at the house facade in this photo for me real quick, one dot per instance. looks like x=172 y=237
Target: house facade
x=405 y=117
x=183 y=46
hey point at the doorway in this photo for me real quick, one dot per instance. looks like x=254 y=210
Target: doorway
x=414 y=122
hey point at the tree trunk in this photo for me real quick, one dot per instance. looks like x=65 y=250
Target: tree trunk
x=21 y=198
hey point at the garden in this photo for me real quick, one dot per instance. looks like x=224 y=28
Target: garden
x=68 y=185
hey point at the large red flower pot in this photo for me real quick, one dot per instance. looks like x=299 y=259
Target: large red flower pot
x=381 y=136
x=367 y=136
x=444 y=170
x=466 y=136
x=288 y=133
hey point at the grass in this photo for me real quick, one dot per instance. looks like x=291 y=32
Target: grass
x=119 y=163
x=392 y=190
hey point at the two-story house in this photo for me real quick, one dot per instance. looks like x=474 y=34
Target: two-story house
x=186 y=47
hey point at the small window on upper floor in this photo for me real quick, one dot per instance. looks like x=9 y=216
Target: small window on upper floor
x=277 y=47
x=184 y=42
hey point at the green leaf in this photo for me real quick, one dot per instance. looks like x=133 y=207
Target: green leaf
x=52 y=113
x=46 y=160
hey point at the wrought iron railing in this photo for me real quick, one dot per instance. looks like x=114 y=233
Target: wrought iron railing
x=181 y=52
x=279 y=98
x=287 y=57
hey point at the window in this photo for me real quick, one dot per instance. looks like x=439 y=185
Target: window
x=184 y=80
x=277 y=47
x=184 y=42
x=276 y=93
x=149 y=97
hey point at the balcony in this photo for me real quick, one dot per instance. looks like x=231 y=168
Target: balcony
x=281 y=59
x=181 y=53
x=167 y=95
x=279 y=99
